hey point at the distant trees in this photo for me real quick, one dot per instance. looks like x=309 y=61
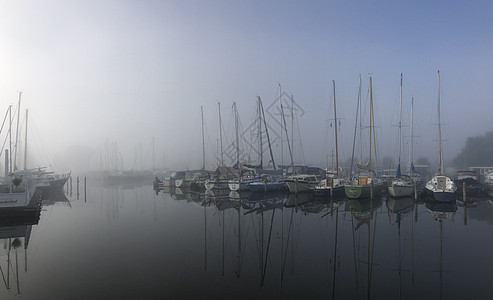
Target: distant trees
x=477 y=152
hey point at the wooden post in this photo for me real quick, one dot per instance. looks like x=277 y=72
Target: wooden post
x=464 y=198
x=415 y=191
x=85 y=189
x=331 y=188
x=371 y=189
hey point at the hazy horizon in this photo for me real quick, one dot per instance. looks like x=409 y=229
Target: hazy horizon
x=112 y=76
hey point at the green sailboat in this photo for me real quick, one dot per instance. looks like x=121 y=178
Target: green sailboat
x=364 y=182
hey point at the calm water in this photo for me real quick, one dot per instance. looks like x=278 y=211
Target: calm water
x=127 y=242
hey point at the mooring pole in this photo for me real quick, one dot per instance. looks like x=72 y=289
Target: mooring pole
x=85 y=189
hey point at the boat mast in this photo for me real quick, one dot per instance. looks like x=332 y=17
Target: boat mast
x=287 y=136
x=440 y=157
x=355 y=125
x=267 y=133
x=411 y=145
x=374 y=134
x=203 y=142
x=25 y=146
x=335 y=127
x=280 y=107
x=237 y=136
x=371 y=122
x=292 y=128
x=360 y=123
x=261 y=150
x=400 y=134
x=10 y=140
x=17 y=131
x=220 y=134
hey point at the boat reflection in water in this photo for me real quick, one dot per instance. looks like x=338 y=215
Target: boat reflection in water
x=272 y=245
x=15 y=232
x=442 y=212
x=363 y=214
x=55 y=197
x=398 y=208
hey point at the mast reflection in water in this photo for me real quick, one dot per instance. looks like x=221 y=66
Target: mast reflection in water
x=129 y=242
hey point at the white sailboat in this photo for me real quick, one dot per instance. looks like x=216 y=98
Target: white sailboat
x=402 y=185
x=440 y=188
x=17 y=187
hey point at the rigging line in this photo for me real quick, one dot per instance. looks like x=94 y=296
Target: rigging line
x=354 y=251
x=268 y=247
x=372 y=251
x=301 y=144
x=7 y=135
x=294 y=252
x=287 y=245
x=267 y=133
x=255 y=234
x=245 y=244
x=5 y=119
x=3 y=146
x=3 y=277
x=287 y=136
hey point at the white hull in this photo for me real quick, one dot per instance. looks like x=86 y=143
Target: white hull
x=234 y=186
x=400 y=191
x=20 y=196
x=441 y=188
x=212 y=184
x=401 y=187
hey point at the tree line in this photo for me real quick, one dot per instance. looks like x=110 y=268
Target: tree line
x=478 y=151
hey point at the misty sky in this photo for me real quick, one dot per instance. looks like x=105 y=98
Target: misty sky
x=96 y=73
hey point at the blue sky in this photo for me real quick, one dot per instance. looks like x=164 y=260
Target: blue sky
x=127 y=71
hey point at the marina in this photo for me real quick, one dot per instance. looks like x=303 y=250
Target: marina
x=246 y=150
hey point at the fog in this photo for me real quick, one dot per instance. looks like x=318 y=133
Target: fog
x=108 y=81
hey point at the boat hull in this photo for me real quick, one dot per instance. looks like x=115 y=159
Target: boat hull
x=440 y=196
x=440 y=188
x=327 y=191
x=266 y=186
x=397 y=191
x=300 y=187
x=216 y=185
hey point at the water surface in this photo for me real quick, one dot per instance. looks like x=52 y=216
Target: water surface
x=127 y=242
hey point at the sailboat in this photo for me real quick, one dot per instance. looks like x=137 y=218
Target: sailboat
x=245 y=175
x=333 y=183
x=402 y=185
x=270 y=181
x=219 y=179
x=365 y=183
x=17 y=187
x=440 y=188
